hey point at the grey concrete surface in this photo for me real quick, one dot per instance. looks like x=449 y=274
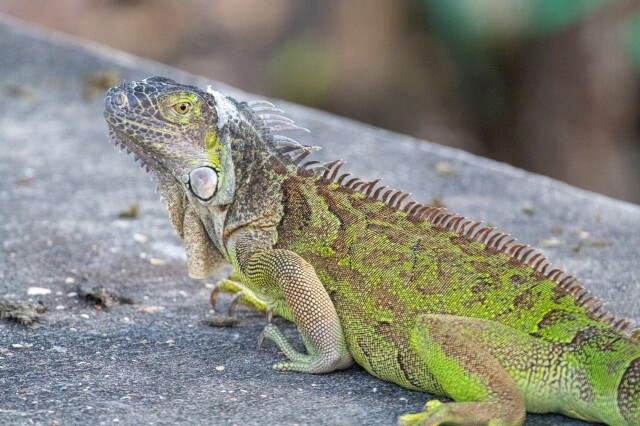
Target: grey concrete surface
x=62 y=188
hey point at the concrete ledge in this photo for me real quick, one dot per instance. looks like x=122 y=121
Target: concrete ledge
x=61 y=193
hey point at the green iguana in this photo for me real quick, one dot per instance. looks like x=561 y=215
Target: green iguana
x=416 y=295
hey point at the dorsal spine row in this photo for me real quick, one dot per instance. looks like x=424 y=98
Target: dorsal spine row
x=494 y=240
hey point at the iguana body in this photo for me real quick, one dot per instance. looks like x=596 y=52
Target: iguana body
x=416 y=295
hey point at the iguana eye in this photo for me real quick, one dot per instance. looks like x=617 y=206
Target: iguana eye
x=182 y=107
x=203 y=182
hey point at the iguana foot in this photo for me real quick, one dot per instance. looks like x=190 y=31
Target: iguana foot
x=438 y=413
x=241 y=295
x=432 y=415
x=313 y=362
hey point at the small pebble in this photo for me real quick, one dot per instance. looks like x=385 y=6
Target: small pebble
x=152 y=309
x=444 y=168
x=22 y=345
x=38 y=291
x=140 y=238
x=551 y=242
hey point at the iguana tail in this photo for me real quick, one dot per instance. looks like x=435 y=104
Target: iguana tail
x=608 y=381
x=629 y=393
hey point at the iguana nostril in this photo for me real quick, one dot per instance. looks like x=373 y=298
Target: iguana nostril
x=120 y=99
x=203 y=182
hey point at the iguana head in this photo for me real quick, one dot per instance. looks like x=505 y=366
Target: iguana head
x=207 y=151
x=174 y=130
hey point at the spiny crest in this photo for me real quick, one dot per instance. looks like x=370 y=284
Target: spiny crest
x=272 y=122
x=474 y=231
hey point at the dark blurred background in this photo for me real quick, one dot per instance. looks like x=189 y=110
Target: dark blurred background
x=548 y=85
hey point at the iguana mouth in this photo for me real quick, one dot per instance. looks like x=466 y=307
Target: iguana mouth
x=123 y=143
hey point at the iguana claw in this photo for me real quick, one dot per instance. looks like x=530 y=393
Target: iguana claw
x=214 y=296
x=234 y=303
x=261 y=338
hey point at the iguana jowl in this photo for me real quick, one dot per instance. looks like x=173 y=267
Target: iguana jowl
x=414 y=294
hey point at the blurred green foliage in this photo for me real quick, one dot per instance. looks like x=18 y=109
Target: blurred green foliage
x=300 y=71
x=473 y=23
x=633 y=34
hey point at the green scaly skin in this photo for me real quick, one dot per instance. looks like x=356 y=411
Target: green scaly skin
x=414 y=295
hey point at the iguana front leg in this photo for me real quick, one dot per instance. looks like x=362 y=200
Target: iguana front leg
x=291 y=282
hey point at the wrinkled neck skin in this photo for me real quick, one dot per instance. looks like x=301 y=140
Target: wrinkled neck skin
x=255 y=197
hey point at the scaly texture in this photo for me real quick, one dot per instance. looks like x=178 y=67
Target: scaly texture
x=414 y=294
